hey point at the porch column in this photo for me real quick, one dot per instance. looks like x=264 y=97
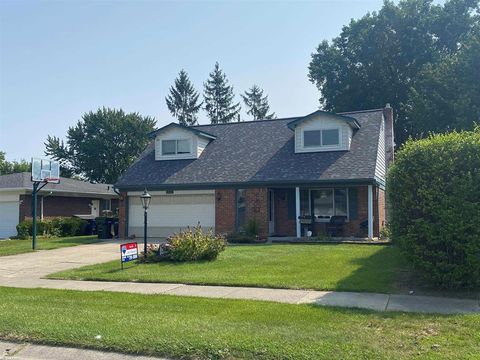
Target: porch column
x=370 y=211
x=41 y=208
x=297 y=211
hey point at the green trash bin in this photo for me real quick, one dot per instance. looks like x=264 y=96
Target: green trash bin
x=105 y=226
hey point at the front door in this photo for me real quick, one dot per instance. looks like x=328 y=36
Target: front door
x=271 y=212
x=95 y=207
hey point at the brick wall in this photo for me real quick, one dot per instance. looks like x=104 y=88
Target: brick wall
x=256 y=202
x=225 y=211
x=382 y=211
x=54 y=206
x=283 y=225
x=122 y=215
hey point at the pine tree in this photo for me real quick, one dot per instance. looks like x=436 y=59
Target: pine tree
x=183 y=100
x=257 y=104
x=219 y=97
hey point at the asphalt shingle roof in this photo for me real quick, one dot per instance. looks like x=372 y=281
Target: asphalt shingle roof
x=260 y=152
x=23 y=181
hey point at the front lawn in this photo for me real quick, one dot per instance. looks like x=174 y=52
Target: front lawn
x=323 y=267
x=200 y=328
x=12 y=247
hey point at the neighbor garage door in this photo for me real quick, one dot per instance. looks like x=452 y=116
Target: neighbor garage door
x=170 y=213
x=8 y=218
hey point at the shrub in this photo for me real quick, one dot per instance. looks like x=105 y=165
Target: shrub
x=252 y=228
x=52 y=227
x=434 y=195
x=23 y=229
x=240 y=238
x=188 y=245
x=194 y=244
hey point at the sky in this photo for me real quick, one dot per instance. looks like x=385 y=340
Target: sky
x=61 y=59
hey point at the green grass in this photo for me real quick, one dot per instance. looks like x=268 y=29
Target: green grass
x=12 y=247
x=323 y=267
x=200 y=328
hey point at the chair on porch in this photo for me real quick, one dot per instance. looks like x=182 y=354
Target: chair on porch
x=335 y=226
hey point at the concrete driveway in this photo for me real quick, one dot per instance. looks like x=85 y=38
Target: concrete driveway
x=27 y=271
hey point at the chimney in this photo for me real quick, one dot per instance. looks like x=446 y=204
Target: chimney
x=389 y=135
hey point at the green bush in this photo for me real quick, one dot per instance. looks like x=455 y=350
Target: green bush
x=240 y=238
x=434 y=197
x=252 y=228
x=192 y=244
x=23 y=229
x=52 y=227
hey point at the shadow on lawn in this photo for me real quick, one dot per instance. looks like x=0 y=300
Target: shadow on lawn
x=388 y=271
x=376 y=273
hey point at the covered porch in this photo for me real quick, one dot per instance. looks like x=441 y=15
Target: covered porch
x=328 y=211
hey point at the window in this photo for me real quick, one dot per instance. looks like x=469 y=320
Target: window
x=240 y=208
x=330 y=137
x=106 y=205
x=311 y=138
x=175 y=147
x=324 y=203
x=324 y=137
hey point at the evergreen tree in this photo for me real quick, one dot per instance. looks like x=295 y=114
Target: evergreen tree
x=183 y=100
x=219 y=97
x=257 y=104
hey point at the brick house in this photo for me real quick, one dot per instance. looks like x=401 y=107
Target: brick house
x=290 y=175
x=68 y=198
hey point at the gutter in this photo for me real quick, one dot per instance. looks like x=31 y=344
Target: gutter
x=213 y=186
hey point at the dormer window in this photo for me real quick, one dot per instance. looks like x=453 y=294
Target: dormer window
x=176 y=147
x=319 y=138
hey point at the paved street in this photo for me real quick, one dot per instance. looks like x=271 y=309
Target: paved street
x=28 y=270
x=26 y=351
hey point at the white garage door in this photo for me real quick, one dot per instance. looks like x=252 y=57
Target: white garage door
x=8 y=218
x=170 y=213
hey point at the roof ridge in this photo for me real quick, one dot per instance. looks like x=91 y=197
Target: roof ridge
x=248 y=121
x=360 y=111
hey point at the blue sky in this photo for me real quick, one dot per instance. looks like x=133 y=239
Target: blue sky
x=60 y=59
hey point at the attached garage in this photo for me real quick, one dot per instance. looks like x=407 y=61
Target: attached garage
x=9 y=215
x=171 y=212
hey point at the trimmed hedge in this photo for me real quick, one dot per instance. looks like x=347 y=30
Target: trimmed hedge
x=60 y=226
x=434 y=197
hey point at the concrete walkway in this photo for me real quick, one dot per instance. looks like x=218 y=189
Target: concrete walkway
x=28 y=270
x=26 y=351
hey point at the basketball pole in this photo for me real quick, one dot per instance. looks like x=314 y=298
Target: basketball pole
x=35 y=191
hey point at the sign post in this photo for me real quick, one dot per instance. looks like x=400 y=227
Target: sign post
x=128 y=252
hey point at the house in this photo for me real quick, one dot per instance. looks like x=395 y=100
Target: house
x=68 y=198
x=279 y=172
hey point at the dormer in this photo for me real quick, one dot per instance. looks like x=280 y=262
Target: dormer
x=323 y=131
x=178 y=142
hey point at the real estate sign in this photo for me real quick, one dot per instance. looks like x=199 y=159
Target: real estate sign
x=128 y=252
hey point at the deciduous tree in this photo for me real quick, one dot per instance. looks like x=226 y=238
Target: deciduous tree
x=102 y=145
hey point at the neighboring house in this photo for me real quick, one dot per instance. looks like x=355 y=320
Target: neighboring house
x=68 y=198
x=274 y=171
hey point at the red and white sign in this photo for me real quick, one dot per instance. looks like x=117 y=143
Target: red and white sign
x=129 y=251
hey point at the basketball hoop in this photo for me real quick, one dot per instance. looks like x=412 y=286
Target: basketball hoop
x=44 y=171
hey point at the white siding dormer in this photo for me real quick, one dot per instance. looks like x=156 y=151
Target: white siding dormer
x=322 y=133
x=176 y=144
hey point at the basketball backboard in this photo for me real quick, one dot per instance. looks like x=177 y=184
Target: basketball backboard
x=45 y=170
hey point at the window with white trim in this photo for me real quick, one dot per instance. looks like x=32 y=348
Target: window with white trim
x=176 y=147
x=323 y=137
x=324 y=203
